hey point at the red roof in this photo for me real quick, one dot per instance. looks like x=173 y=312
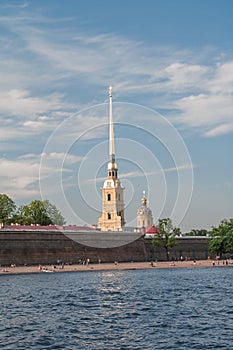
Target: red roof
x=152 y=229
x=17 y=227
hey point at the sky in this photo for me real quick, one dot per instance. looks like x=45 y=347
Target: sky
x=170 y=64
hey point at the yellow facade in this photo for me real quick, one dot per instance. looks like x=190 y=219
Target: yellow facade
x=112 y=218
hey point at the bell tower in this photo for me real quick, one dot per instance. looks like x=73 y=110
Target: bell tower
x=112 y=218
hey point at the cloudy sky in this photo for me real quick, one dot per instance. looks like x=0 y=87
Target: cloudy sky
x=171 y=67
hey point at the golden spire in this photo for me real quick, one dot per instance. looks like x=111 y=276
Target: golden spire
x=111 y=129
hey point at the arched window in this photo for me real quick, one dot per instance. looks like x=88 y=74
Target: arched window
x=109 y=197
x=109 y=216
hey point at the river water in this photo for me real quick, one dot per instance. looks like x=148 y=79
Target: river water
x=138 y=309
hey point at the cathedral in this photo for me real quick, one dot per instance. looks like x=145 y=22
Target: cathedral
x=144 y=214
x=112 y=218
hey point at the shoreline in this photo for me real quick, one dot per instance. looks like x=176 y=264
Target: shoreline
x=18 y=270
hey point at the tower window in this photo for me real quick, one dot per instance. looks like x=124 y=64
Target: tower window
x=109 y=197
x=119 y=197
x=109 y=216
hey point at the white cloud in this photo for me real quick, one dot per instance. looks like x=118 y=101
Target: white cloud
x=210 y=111
x=199 y=95
x=33 y=124
x=66 y=157
x=222 y=79
x=181 y=76
x=19 y=178
x=12 y=168
x=21 y=103
x=206 y=111
x=220 y=130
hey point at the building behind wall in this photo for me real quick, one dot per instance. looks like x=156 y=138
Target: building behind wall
x=144 y=214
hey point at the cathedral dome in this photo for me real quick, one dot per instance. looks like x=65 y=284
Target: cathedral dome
x=144 y=214
x=144 y=211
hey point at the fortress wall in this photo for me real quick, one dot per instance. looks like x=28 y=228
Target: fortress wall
x=47 y=247
x=192 y=248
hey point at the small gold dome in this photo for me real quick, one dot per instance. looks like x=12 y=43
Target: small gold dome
x=112 y=166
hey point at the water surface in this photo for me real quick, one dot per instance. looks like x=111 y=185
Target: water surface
x=141 y=309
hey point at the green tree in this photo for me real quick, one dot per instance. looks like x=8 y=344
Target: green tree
x=7 y=209
x=165 y=235
x=54 y=214
x=177 y=231
x=35 y=213
x=19 y=215
x=221 y=238
x=39 y=212
x=196 y=232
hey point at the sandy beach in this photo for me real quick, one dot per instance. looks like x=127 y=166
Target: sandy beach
x=113 y=266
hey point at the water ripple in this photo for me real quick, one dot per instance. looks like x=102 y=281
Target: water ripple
x=152 y=309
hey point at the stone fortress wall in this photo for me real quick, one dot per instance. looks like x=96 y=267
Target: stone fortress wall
x=47 y=247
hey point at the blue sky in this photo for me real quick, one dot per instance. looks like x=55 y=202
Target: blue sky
x=171 y=67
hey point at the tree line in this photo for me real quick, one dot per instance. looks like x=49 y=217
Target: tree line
x=37 y=212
